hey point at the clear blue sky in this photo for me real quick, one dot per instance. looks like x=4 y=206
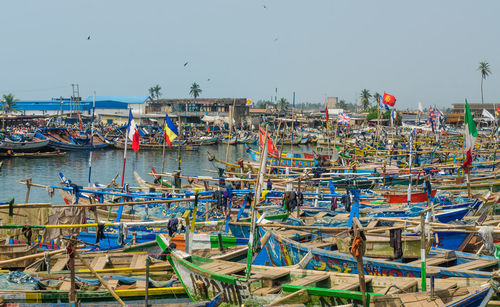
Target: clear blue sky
x=416 y=50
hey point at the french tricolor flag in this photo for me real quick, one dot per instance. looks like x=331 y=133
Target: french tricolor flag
x=132 y=131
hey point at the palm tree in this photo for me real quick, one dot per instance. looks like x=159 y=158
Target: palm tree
x=157 y=89
x=9 y=104
x=152 y=92
x=342 y=104
x=283 y=104
x=376 y=98
x=484 y=68
x=195 y=90
x=365 y=99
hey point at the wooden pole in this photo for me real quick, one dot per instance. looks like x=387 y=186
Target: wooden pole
x=231 y=114
x=256 y=199
x=28 y=189
x=359 y=262
x=422 y=250
x=113 y=293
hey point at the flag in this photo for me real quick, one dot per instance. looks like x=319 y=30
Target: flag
x=470 y=134
x=132 y=131
x=432 y=117
x=497 y=111
x=420 y=109
x=170 y=131
x=271 y=148
x=80 y=120
x=389 y=100
x=382 y=105
x=343 y=119
x=488 y=114
x=394 y=114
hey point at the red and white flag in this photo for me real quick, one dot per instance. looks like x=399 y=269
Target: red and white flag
x=470 y=135
x=271 y=148
x=133 y=132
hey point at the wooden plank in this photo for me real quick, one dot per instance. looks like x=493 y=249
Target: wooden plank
x=139 y=261
x=271 y=274
x=300 y=296
x=353 y=285
x=267 y=290
x=311 y=279
x=113 y=283
x=469 y=237
x=401 y=286
x=100 y=263
x=60 y=264
x=476 y=264
x=65 y=286
x=140 y=284
x=434 y=261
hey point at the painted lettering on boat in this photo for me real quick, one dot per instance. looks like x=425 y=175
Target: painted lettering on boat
x=232 y=294
x=335 y=265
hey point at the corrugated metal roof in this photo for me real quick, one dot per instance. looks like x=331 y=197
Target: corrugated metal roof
x=122 y=99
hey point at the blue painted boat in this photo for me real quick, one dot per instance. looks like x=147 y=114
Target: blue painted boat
x=69 y=139
x=284 y=251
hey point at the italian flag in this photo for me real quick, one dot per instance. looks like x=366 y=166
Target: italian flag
x=470 y=135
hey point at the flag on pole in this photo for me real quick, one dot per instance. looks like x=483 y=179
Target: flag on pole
x=394 y=114
x=488 y=114
x=389 y=100
x=271 y=148
x=420 y=108
x=497 y=111
x=343 y=119
x=170 y=131
x=381 y=105
x=132 y=131
x=327 y=117
x=470 y=134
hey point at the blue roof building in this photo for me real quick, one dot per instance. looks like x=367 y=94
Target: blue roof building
x=103 y=105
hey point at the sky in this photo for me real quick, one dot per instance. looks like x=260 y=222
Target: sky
x=424 y=51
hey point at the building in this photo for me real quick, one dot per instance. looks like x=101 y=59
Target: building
x=458 y=111
x=195 y=111
x=115 y=105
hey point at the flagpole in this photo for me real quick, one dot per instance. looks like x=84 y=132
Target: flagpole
x=91 y=139
x=409 y=165
x=259 y=180
x=163 y=154
x=125 y=152
x=293 y=122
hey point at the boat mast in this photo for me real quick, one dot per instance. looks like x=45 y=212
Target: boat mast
x=91 y=138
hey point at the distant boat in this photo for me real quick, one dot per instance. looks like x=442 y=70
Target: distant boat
x=23 y=142
x=73 y=139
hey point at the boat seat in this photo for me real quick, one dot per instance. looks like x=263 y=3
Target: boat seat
x=476 y=264
x=271 y=274
x=353 y=285
x=224 y=268
x=434 y=261
x=59 y=265
x=401 y=286
x=267 y=290
x=98 y=263
x=311 y=279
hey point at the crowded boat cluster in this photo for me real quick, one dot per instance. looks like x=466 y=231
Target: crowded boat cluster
x=363 y=215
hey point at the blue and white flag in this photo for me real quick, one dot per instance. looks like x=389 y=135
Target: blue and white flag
x=381 y=105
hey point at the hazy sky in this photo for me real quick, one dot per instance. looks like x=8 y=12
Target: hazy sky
x=416 y=50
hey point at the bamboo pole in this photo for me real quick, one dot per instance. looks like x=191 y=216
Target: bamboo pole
x=118 y=299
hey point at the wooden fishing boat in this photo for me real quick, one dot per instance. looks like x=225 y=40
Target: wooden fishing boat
x=184 y=145
x=14 y=143
x=221 y=281
x=378 y=246
x=10 y=251
x=74 y=139
x=416 y=197
x=33 y=155
x=207 y=140
x=283 y=251
x=231 y=141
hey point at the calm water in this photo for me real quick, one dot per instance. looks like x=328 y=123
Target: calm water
x=106 y=164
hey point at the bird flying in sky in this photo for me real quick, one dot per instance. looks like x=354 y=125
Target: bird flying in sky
x=185 y=64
